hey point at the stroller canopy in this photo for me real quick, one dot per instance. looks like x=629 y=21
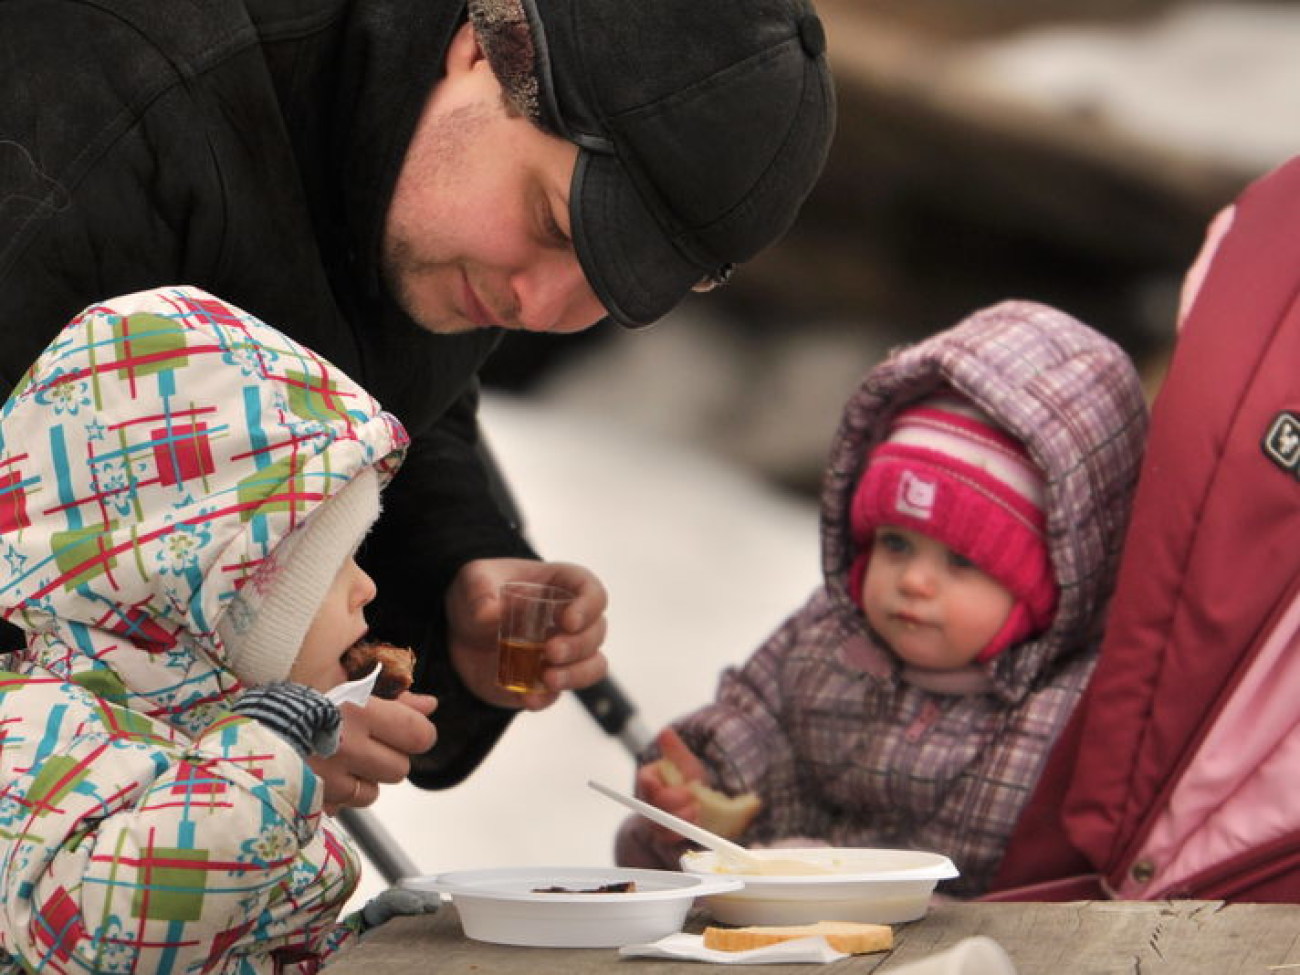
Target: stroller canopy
x=1179 y=774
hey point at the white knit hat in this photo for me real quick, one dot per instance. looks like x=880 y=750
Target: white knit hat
x=264 y=626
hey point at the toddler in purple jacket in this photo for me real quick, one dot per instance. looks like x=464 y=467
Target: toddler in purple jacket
x=976 y=495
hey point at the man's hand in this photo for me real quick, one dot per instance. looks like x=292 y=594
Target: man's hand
x=376 y=746
x=573 y=658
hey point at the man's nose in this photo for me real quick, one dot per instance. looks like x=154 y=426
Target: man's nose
x=553 y=296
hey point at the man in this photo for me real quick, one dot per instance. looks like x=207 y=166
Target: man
x=394 y=183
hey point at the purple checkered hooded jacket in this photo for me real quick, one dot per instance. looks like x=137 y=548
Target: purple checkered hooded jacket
x=846 y=746
x=150 y=460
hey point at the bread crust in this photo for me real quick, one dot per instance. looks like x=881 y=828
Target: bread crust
x=850 y=937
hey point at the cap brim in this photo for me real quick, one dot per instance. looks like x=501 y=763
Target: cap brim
x=628 y=259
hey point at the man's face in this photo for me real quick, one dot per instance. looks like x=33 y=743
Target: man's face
x=478 y=232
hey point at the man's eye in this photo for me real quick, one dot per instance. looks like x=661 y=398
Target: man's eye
x=552 y=230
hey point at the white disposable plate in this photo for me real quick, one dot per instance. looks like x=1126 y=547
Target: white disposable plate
x=503 y=906
x=872 y=885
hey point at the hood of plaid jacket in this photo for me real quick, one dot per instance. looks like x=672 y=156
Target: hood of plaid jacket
x=150 y=459
x=1074 y=399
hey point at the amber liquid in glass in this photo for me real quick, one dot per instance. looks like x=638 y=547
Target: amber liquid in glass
x=519 y=666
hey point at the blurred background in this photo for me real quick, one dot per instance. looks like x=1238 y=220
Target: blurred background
x=1067 y=151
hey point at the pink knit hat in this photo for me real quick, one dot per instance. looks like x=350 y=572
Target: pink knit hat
x=948 y=472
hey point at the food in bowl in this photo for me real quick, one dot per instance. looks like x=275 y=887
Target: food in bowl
x=619 y=887
x=765 y=867
x=870 y=885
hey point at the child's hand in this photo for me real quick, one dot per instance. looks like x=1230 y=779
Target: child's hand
x=680 y=771
x=376 y=746
x=671 y=793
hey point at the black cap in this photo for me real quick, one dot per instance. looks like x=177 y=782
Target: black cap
x=702 y=127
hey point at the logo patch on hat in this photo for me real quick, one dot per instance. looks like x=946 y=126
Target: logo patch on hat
x=916 y=496
x=1282 y=442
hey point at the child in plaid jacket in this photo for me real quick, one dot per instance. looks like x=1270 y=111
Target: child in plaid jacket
x=182 y=490
x=887 y=712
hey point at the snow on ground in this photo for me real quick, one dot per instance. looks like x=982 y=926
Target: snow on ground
x=702 y=562
x=1218 y=81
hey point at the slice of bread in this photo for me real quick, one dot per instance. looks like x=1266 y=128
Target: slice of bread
x=728 y=816
x=850 y=937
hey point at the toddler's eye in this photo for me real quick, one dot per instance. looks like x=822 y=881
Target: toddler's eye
x=891 y=541
x=958 y=561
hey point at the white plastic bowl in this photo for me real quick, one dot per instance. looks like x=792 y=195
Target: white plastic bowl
x=870 y=885
x=503 y=907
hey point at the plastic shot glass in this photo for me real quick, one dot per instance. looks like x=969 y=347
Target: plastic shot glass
x=529 y=614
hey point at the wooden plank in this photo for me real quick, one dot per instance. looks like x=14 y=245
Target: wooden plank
x=405 y=946
x=1106 y=938
x=1084 y=938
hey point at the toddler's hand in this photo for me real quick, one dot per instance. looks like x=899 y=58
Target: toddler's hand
x=671 y=793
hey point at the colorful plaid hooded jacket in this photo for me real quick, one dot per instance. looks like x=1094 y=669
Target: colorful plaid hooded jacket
x=844 y=745
x=158 y=449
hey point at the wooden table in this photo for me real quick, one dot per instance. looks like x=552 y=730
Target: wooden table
x=1082 y=938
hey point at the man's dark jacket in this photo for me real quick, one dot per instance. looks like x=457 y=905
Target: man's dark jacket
x=250 y=147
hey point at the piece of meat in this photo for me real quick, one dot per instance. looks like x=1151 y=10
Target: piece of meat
x=397 y=663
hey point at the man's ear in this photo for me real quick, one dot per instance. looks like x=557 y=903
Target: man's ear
x=464 y=53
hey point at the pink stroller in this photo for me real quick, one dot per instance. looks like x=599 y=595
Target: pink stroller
x=1179 y=775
